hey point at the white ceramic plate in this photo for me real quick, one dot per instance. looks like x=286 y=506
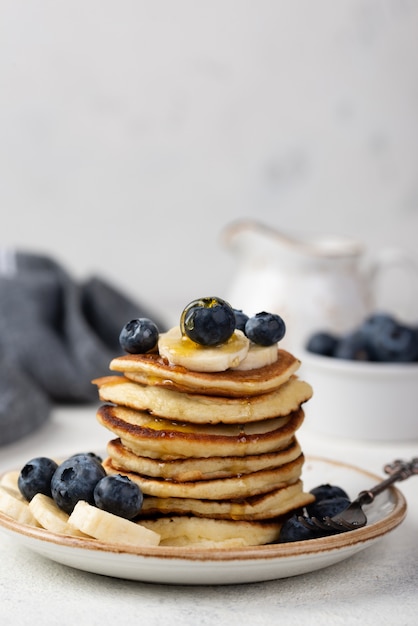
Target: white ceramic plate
x=214 y=567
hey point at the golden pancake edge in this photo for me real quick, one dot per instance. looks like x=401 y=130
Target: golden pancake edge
x=163 y=439
x=152 y=369
x=195 y=469
x=200 y=408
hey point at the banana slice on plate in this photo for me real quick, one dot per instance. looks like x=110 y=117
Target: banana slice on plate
x=109 y=527
x=9 y=480
x=51 y=517
x=180 y=350
x=13 y=504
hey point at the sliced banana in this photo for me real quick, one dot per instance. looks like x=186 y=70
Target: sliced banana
x=110 y=528
x=50 y=516
x=180 y=350
x=13 y=504
x=9 y=479
x=258 y=356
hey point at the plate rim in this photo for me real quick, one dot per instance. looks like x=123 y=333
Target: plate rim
x=280 y=551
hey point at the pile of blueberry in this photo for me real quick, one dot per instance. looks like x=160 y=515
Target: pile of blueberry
x=208 y=322
x=80 y=477
x=329 y=500
x=380 y=338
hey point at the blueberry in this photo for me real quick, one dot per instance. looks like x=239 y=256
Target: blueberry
x=294 y=530
x=240 y=320
x=353 y=347
x=118 y=495
x=388 y=340
x=323 y=343
x=139 y=336
x=208 y=321
x=265 y=329
x=400 y=347
x=327 y=491
x=327 y=507
x=373 y=329
x=35 y=477
x=378 y=322
x=88 y=455
x=380 y=338
x=74 y=480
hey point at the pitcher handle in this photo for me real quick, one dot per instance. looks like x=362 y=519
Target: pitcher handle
x=403 y=301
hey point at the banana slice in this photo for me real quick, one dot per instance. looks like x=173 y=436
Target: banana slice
x=258 y=356
x=110 y=528
x=9 y=480
x=51 y=517
x=13 y=504
x=179 y=350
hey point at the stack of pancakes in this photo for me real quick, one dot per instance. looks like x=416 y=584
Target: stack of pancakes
x=215 y=454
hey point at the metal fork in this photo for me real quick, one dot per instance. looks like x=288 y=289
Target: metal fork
x=353 y=516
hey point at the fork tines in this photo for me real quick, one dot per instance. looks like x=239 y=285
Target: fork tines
x=326 y=524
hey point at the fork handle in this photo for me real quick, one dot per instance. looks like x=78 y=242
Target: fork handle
x=398 y=470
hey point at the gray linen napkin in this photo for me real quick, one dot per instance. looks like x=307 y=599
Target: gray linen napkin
x=56 y=335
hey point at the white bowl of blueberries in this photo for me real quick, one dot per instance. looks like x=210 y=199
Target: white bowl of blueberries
x=365 y=382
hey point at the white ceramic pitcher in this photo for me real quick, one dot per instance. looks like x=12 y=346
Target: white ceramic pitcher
x=314 y=284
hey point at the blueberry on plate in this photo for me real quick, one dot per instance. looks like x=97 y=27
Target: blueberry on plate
x=265 y=329
x=88 y=455
x=35 y=477
x=323 y=343
x=119 y=495
x=327 y=507
x=139 y=336
x=327 y=491
x=294 y=530
x=208 y=321
x=74 y=480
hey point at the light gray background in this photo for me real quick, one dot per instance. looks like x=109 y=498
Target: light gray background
x=133 y=132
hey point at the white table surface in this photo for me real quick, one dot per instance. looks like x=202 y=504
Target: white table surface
x=376 y=586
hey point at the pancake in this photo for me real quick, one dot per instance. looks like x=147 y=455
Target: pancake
x=239 y=486
x=198 y=532
x=195 y=469
x=152 y=369
x=261 y=507
x=163 y=439
x=204 y=409
x=214 y=453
